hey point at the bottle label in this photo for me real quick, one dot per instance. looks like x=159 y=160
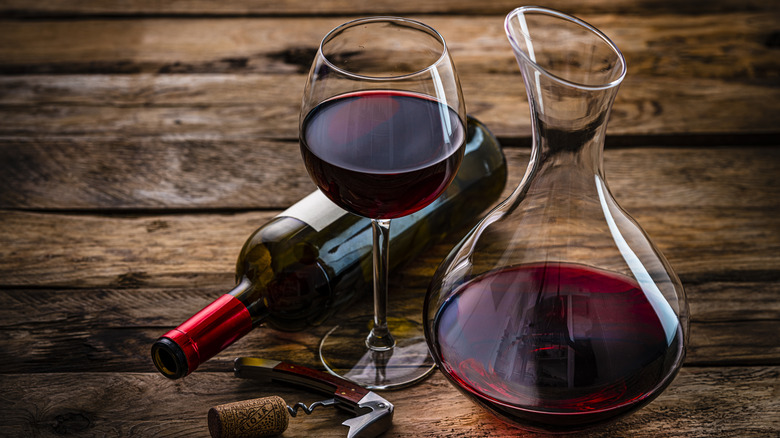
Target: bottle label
x=315 y=210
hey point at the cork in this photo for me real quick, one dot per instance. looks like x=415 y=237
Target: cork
x=260 y=417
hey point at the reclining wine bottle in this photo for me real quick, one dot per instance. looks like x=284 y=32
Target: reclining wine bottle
x=315 y=258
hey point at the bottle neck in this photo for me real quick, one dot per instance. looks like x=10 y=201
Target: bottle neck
x=180 y=351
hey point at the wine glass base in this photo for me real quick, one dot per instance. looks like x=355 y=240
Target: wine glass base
x=344 y=353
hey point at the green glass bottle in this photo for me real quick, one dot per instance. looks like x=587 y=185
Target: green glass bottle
x=315 y=258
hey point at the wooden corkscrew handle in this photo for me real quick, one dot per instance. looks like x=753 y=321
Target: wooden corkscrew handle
x=256 y=418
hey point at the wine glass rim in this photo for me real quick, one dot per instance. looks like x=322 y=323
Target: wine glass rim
x=566 y=17
x=381 y=18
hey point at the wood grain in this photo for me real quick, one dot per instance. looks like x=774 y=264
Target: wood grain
x=700 y=402
x=141 y=307
x=170 y=173
x=205 y=77
x=78 y=251
x=249 y=107
x=196 y=250
x=736 y=46
x=93 y=346
x=151 y=173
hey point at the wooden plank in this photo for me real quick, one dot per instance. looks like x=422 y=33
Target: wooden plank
x=112 y=330
x=192 y=250
x=237 y=106
x=742 y=400
x=345 y=7
x=189 y=251
x=716 y=301
x=710 y=74
x=164 y=173
x=736 y=46
x=151 y=173
x=711 y=302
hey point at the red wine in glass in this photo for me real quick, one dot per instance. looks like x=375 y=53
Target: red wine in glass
x=382 y=154
x=554 y=345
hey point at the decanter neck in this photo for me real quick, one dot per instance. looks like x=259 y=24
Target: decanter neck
x=568 y=128
x=570 y=133
x=572 y=72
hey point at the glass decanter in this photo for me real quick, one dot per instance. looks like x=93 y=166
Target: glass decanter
x=557 y=312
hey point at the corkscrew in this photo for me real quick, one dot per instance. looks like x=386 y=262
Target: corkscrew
x=293 y=410
x=268 y=416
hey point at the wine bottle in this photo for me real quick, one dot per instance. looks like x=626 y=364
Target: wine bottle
x=315 y=258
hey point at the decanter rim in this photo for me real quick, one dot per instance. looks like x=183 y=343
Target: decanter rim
x=552 y=12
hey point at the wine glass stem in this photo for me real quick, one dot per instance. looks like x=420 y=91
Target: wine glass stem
x=380 y=338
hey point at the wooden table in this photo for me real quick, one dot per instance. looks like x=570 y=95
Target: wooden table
x=141 y=142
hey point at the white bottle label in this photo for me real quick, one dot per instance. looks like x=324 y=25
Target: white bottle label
x=315 y=210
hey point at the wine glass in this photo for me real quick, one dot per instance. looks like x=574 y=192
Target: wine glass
x=382 y=130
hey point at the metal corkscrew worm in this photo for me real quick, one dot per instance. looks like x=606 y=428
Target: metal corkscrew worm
x=293 y=410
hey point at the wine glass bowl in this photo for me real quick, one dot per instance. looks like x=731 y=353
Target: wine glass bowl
x=337 y=144
x=382 y=134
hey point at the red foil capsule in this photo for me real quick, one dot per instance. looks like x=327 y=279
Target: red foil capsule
x=202 y=336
